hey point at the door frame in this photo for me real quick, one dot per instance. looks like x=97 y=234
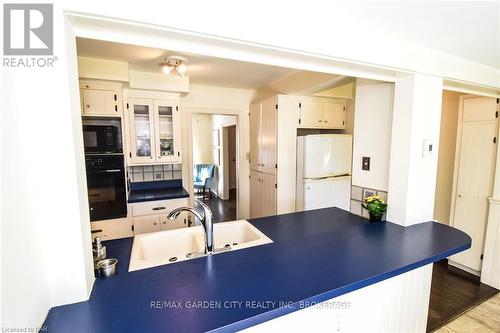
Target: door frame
x=456 y=167
x=239 y=158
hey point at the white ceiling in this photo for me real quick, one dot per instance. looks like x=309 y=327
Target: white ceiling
x=200 y=69
x=468 y=29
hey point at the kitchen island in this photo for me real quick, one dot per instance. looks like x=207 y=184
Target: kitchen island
x=326 y=255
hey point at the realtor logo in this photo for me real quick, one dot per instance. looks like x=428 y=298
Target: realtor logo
x=28 y=29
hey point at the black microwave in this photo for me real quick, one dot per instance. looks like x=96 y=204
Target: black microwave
x=102 y=139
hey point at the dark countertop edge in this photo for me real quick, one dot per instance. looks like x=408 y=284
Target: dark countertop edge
x=275 y=313
x=162 y=194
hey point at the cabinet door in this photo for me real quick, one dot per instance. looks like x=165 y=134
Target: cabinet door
x=255 y=124
x=268 y=136
x=333 y=115
x=167 y=143
x=166 y=224
x=141 y=117
x=268 y=194
x=99 y=102
x=146 y=224
x=255 y=195
x=311 y=114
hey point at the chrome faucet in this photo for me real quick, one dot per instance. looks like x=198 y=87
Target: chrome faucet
x=206 y=220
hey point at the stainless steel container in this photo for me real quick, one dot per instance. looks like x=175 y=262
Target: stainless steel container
x=107 y=267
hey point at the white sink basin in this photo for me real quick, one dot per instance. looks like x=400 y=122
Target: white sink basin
x=166 y=247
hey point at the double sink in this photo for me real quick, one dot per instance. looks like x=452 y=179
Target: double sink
x=170 y=246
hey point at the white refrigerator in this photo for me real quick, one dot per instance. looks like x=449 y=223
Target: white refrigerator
x=324 y=171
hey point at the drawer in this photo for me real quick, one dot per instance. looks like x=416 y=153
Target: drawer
x=157 y=207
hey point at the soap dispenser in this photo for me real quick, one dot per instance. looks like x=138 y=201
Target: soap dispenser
x=99 y=252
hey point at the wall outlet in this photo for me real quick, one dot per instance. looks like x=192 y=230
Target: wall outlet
x=365 y=164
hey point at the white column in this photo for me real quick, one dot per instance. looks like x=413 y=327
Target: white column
x=490 y=273
x=412 y=171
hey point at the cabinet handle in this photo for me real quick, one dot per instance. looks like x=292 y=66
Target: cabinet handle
x=88 y=106
x=155 y=223
x=159 y=208
x=326 y=121
x=459 y=195
x=320 y=121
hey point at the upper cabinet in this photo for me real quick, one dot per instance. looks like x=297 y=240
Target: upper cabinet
x=320 y=113
x=100 y=98
x=154 y=127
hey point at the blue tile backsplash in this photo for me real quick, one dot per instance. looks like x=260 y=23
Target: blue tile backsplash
x=148 y=173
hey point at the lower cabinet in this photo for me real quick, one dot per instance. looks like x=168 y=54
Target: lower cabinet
x=112 y=229
x=262 y=194
x=152 y=216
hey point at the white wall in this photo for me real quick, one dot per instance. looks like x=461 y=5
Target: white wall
x=372 y=133
x=446 y=158
x=412 y=174
x=202 y=139
x=44 y=200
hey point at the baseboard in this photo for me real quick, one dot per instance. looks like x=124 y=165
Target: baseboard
x=464 y=268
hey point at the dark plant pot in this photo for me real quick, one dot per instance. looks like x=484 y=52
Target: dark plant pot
x=375 y=218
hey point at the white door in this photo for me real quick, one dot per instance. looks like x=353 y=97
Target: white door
x=268 y=136
x=474 y=186
x=311 y=114
x=327 y=155
x=255 y=124
x=141 y=124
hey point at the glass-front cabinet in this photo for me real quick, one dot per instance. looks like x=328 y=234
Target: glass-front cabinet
x=166 y=121
x=154 y=130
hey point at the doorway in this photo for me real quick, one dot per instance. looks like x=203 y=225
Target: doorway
x=466 y=164
x=215 y=157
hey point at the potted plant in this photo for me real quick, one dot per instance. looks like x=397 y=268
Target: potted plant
x=375 y=206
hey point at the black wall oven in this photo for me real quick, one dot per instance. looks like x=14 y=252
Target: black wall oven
x=106 y=186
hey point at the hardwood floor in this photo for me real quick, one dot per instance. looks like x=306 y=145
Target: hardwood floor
x=484 y=318
x=222 y=210
x=453 y=292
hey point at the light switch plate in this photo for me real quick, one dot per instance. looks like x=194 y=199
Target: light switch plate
x=365 y=165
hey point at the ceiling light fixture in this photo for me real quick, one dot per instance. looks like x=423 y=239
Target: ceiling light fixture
x=174 y=63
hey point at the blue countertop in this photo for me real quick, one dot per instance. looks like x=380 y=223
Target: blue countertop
x=156 y=190
x=316 y=255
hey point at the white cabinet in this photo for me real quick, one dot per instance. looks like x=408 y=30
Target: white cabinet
x=262 y=194
x=112 y=229
x=273 y=138
x=320 y=113
x=263 y=120
x=311 y=114
x=146 y=224
x=334 y=115
x=151 y=216
x=100 y=98
x=153 y=127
